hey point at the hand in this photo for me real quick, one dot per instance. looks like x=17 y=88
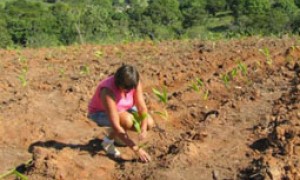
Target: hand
x=143 y=135
x=143 y=155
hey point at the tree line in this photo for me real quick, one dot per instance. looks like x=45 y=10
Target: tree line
x=39 y=23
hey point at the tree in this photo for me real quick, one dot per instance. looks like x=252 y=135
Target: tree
x=257 y=6
x=65 y=23
x=297 y=3
x=163 y=14
x=214 y=6
x=5 y=37
x=193 y=12
x=96 y=20
x=26 y=20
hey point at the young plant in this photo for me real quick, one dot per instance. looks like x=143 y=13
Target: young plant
x=195 y=87
x=15 y=172
x=22 y=60
x=99 y=54
x=23 y=77
x=225 y=78
x=266 y=52
x=163 y=96
x=164 y=114
x=199 y=82
x=206 y=94
x=243 y=68
x=233 y=73
x=62 y=72
x=85 y=70
x=137 y=121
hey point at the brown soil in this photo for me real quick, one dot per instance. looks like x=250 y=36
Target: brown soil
x=249 y=129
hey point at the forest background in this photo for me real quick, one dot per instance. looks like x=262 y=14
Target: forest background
x=44 y=23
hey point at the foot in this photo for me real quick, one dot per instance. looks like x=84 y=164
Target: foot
x=109 y=148
x=119 y=142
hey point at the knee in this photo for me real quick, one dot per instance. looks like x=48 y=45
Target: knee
x=150 y=122
x=126 y=120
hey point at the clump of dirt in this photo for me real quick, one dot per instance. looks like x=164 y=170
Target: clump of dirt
x=277 y=152
x=233 y=110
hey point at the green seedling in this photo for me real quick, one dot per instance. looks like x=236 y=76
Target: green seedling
x=164 y=114
x=206 y=94
x=243 y=68
x=163 y=96
x=266 y=52
x=85 y=70
x=199 y=82
x=137 y=120
x=258 y=64
x=15 y=172
x=62 y=72
x=225 y=79
x=195 y=87
x=23 y=77
x=22 y=60
x=137 y=123
x=98 y=54
x=233 y=73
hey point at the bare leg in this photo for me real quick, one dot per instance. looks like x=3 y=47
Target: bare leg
x=127 y=123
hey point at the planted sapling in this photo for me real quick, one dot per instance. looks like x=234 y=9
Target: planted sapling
x=225 y=79
x=266 y=52
x=23 y=77
x=62 y=72
x=199 y=85
x=137 y=123
x=195 y=87
x=15 y=172
x=206 y=94
x=85 y=70
x=243 y=69
x=99 y=54
x=233 y=73
x=164 y=114
x=137 y=120
x=163 y=96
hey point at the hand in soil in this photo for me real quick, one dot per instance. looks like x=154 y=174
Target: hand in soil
x=143 y=135
x=143 y=155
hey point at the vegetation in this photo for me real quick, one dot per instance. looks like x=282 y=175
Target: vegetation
x=163 y=97
x=137 y=120
x=39 y=23
x=16 y=173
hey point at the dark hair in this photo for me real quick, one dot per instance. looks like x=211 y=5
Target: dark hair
x=127 y=77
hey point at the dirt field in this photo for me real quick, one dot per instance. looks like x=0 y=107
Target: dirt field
x=241 y=120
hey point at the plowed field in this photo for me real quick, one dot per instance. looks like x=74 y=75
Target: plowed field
x=233 y=110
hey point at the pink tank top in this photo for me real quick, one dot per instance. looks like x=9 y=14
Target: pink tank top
x=123 y=103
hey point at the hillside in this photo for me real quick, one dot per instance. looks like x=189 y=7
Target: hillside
x=233 y=110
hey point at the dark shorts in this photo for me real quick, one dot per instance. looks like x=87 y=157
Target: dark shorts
x=102 y=119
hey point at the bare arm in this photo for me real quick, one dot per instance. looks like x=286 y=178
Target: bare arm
x=141 y=105
x=110 y=106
